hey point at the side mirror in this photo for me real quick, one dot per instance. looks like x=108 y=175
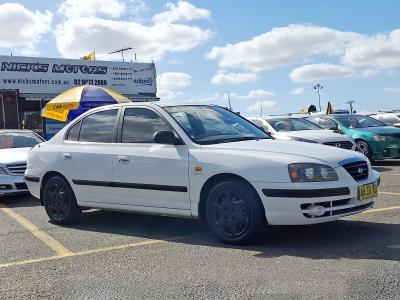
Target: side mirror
x=166 y=137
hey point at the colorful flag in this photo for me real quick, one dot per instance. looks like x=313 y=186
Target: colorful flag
x=90 y=56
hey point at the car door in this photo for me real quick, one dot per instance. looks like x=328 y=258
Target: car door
x=147 y=174
x=87 y=156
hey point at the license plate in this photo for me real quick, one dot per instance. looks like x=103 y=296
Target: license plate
x=367 y=191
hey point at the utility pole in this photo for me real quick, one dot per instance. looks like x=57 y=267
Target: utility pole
x=261 y=111
x=319 y=87
x=229 y=100
x=351 y=105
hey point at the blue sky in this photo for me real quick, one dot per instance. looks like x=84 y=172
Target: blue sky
x=265 y=53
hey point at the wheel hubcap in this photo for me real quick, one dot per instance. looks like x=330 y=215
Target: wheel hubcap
x=230 y=214
x=362 y=148
x=57 y=200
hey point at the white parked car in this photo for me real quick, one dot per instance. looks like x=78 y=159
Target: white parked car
x=195 y=161
x=14 y=147
x=299 y=129
x=391 y=119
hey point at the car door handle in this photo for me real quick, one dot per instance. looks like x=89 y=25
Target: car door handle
x=123 y=159
x=67 y=155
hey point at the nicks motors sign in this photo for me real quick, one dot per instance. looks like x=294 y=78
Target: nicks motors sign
x=35 y=75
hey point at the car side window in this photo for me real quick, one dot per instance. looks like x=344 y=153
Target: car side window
x=99 y=127
x=140 y=125
x=73 y=133
x=259 y=124
x=327 y=124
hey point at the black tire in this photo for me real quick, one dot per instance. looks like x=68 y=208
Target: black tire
x=60 y=202
x=364 y=148
x=234 y=212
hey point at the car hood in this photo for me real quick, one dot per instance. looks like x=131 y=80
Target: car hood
x=14 y=155
x=294 y=151
x=384 y=130
x=320 y=136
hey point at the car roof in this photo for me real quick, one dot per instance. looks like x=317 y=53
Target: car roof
x=161 y=103
x=15 y=130
x=281 y=117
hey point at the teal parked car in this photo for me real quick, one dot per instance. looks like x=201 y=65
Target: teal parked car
x=373 y=138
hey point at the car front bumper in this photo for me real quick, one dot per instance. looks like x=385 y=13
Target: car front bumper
x=312 y=203
x=12 y=184
x=384 y=150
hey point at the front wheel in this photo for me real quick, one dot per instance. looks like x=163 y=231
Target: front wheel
x=234 y=212
x=363 y=148
x=59 y=201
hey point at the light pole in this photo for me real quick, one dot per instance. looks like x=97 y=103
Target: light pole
x=229 y=100
x=319 y=87
x=351 y=105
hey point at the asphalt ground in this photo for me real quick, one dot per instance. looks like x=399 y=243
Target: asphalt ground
x=113 y=255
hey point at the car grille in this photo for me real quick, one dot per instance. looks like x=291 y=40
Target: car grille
x=5 y=187
x=21 y=186
x=358 y=170
x=17 y=169
x=334 y=208
x=342 y=144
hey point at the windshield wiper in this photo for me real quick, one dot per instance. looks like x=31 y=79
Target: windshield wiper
x=243 y=138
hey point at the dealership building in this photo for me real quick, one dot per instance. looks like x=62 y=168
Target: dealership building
x=28 y=83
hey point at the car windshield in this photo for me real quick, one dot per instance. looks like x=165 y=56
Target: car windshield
x=214 y=124
x=292 y=124
x=358 y=121
x=18 y=140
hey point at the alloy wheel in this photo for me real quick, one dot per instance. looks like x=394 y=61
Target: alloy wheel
x=230 y=214
x=363 y=148
x=57 y=200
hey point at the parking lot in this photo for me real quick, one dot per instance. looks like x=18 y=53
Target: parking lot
x=121 y=255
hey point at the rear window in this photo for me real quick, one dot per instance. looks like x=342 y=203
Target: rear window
x=18 y=140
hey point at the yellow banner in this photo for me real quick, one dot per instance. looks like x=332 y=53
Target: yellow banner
x=60 y=107
x=59 y=116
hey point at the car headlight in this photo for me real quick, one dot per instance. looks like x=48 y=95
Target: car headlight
x=3 y=171
x=304 y=172
x=384 y=138
x=298 y=139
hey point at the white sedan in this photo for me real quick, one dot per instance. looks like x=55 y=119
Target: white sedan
x=196 y=161
x=299 y=129
x=14 y=148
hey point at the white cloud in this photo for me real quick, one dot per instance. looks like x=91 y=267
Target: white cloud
x=266 y=105
x=233 y=78
x=78 y=36
x=21 y=26
x=380 y=51
x=323 y=71
x=281 y=46
x=369 y=73
x=207 y=98
x=173 y=80
x=136 y=7
x=73 y=9
x=297 y=91
x=302 y=42
x=166 y=95
x=392 y=90
x=256 y=94
x=181 y=11
x=391 y=73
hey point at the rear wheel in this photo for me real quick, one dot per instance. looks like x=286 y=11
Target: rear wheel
x=59 y=201
x=234 y=212
x=363 y=148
